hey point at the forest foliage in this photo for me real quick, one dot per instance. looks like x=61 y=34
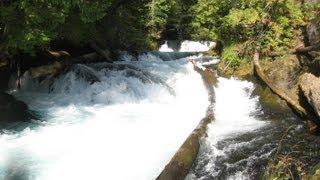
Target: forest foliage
x=241 y=25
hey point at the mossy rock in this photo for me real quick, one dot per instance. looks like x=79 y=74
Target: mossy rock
x=271 y=103
x=283 y=72
x=244 y=71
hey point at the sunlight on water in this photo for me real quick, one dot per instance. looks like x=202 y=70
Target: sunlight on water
x=234 y=116
x=189 y=46
x=119 y=128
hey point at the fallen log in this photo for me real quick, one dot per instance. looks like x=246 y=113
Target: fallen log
x=42 y=71
x=181 y=163
x=286 y=96
x=62 y=61
x=299 y=50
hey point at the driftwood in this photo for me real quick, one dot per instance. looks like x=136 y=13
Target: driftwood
x=299 y=50
x=181 y=163
x=63 y=60
x=286 y=96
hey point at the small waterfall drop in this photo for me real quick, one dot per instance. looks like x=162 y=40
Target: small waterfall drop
x=187 y=46
x=102 y=121
x=221 y=154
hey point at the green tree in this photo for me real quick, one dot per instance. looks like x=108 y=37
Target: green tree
x=26 y=24
x=271 y=25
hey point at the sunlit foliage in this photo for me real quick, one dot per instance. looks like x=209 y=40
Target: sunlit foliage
x=243 y=25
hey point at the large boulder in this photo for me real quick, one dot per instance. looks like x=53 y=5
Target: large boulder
x=284 y=72
x=310 y=87
x=12 y=110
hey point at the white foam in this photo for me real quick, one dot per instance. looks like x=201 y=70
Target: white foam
x=190 y=46
x=119 y=128
x=165 y=48
x=196 y=46
x=234 y=111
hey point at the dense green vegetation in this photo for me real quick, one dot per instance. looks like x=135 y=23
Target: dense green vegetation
x=271 y=25
x=28 y=26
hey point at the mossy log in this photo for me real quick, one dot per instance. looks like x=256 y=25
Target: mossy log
x=181 y=163
x=293 y=103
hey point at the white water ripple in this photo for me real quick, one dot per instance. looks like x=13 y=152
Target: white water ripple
x=120 y=128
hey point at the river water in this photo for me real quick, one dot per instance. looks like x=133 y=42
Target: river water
x=126 y=121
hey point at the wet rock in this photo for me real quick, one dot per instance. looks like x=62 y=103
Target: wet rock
x=86 y=73
x=244 y=71
x=273 y=105
x=12 y=110
x=310 y=87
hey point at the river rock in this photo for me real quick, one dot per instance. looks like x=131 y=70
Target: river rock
x=85 y=72
x=12 y=110
x=310 y=87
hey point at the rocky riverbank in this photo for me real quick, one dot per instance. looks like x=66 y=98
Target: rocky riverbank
x=297 y=156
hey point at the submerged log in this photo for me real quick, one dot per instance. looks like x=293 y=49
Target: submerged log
x=293 y=103
x=181 y=163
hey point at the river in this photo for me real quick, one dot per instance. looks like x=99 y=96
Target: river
x=102 y=121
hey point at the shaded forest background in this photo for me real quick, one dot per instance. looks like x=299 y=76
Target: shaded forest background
x=30 y=27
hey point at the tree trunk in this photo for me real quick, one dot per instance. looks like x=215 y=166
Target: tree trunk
x=299 y=50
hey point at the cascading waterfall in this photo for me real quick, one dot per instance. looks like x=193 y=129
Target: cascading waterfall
x=106 y=122
x=188 y=46
x=234 y=142
x=127 y=119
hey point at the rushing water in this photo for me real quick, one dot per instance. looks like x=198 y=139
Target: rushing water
x=126 y=121
x=127 y=126
x=187 y=46
x=242 y=137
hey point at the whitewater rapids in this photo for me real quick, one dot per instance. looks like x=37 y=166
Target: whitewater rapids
x=118 y=128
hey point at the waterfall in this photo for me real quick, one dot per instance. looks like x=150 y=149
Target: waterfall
x=229 y=148
x=102 y=121
x=187 y=46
